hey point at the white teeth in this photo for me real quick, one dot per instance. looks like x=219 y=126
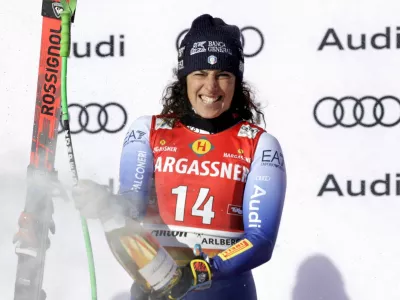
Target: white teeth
x=208 y=100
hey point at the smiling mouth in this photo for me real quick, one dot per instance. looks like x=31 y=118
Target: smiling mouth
x=210 y=100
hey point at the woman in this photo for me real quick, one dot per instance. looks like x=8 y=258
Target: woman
x=219 y=179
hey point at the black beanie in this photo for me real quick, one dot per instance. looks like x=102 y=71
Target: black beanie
x=211 y=44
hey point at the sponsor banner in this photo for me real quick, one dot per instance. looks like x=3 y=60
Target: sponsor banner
x=180 y=236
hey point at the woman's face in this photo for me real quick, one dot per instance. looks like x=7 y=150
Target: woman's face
x=210 y=92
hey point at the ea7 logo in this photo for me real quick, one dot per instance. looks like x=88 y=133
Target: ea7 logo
x=57 y=9
x=273 y=158
x=134 y=136
x=248 y=131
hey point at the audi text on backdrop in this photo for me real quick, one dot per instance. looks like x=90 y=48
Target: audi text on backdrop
x=378 y=187
x=378 y=41
x=104 y=49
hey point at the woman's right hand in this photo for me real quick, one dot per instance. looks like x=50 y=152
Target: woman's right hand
x=91 y=199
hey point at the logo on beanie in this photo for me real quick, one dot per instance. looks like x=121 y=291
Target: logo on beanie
x=212 y=60
x=180 y=51
x=198 y=47
x=218 y=46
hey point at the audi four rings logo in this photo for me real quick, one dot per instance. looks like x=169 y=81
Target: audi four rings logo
x=252 y=40
x=349 y=111
x=93 y=118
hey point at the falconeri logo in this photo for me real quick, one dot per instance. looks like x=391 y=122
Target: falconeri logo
x=201 y=146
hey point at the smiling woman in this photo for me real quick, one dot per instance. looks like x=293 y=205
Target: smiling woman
x=219 y=179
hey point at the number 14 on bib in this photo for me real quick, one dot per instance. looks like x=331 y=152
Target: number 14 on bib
x=203 y=197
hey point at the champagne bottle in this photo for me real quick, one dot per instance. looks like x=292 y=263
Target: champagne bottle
x=140 y=254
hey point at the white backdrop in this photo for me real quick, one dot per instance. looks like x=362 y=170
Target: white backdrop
x=329 y=247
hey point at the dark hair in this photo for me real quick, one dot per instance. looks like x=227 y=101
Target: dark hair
x=176 y=103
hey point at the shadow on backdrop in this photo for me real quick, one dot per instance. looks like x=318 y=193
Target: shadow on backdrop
x=122 y=296
x=319 y=279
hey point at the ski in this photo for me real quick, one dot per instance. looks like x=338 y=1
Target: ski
x=36 y=221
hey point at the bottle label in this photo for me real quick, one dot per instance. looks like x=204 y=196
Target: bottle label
x=160 y=271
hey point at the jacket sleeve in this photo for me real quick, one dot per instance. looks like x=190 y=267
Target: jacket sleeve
x=136 y=168
x=263 y=201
